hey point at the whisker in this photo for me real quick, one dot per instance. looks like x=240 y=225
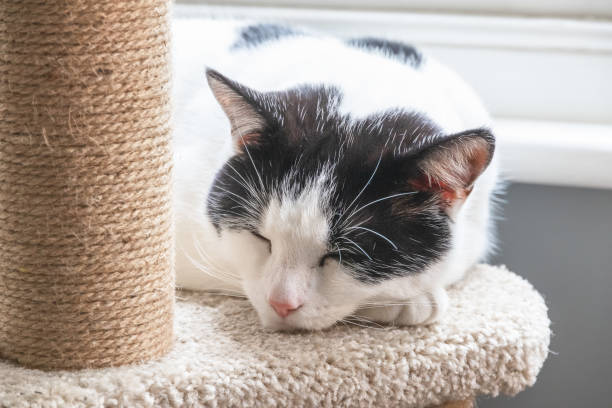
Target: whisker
x=359 y=224
x=360 y=248
x=245 y=202
x=252 y=162
x=353 y=323
x=364 y=187
x=384 y=198
x=339 y=257
x=376 y=306
x=246 y=184
x=365 y=324
x=240 y=183
x=212 y=271
x=376 y=233
x=212 y=265
x=368 y=321
x=228 y=164
x=228 y=293
x=343 y=322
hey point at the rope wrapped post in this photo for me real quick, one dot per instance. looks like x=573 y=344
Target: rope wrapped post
x=86 y=233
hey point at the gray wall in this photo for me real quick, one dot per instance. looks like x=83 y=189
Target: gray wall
x=561 y=240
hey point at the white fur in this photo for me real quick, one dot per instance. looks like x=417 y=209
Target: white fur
x=239 y=262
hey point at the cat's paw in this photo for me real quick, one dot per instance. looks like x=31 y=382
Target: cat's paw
x=423 y=309
x=420 y=310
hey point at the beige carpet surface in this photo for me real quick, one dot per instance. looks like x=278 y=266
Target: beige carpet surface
x=493 y=340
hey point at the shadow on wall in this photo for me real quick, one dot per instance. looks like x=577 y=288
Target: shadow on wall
x=560 y=239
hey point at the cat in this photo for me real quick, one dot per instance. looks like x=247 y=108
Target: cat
x=326 y=179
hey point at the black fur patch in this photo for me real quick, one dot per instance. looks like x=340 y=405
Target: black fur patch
x=393 y=49
x=257 y=34
x=372 y=161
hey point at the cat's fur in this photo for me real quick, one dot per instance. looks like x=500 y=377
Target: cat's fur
x=343 y=179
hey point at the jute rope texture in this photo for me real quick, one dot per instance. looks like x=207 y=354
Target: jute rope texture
x=86 y=247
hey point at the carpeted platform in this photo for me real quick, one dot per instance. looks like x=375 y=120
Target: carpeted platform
x=493 y=340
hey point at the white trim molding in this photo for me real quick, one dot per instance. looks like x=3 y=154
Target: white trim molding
x=434 y=28
x=556 y=153
x=562 y=8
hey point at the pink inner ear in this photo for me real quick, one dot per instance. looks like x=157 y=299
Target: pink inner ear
x=248 y=139
x=436 y=186
x=479 y=159
x=451 y=173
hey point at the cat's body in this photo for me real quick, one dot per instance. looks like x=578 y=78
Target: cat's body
x=342 y=160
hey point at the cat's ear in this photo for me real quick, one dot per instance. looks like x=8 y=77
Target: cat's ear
x=238 y=103
x=450 y=167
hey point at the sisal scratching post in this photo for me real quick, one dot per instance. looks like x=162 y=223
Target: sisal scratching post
x=86 y=247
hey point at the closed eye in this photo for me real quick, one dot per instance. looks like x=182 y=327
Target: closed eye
x=326 y=257
x=262 y=238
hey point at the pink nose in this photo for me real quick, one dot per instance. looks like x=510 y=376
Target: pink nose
x=283 y=309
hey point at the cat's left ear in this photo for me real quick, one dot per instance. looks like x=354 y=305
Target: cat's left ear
x=238 y=103
x=449 y=167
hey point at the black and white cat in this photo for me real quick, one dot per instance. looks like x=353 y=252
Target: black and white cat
x=326 y=178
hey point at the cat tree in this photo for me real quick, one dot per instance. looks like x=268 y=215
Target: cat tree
x=86 y=254
x=86 y=276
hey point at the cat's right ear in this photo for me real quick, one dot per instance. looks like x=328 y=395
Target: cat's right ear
x=239 y=104
x=449 y=166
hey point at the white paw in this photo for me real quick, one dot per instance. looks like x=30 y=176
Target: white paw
x=420 y=310
x=424 y=309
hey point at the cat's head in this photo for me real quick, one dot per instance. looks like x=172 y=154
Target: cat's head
x=322 y=209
